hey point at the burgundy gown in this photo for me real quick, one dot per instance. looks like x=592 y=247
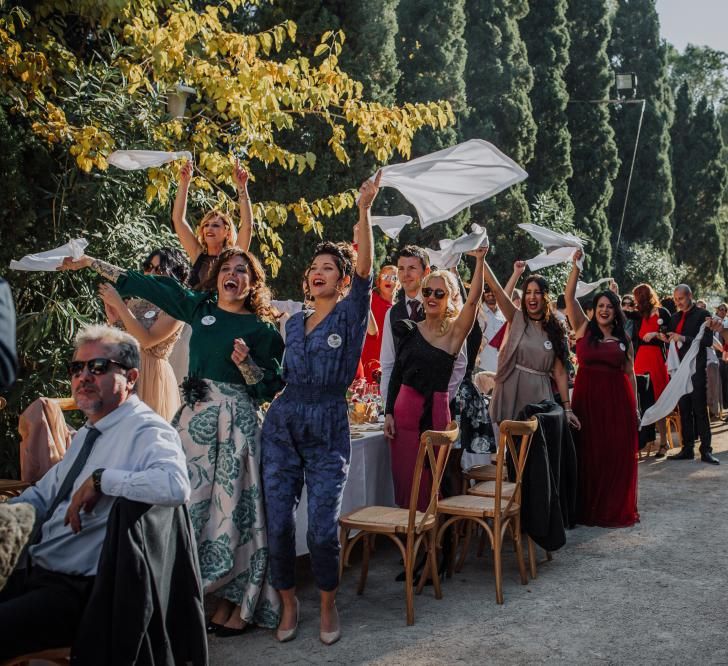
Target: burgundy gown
x=605 y=404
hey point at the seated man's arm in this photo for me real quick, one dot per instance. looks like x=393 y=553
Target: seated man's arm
x=44 y=491
x=162 y=478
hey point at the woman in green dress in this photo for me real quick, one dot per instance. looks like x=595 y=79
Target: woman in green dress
x=235 y=363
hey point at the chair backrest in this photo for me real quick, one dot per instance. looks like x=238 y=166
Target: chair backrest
x=515 y=439
x=429 y=440
x=66 y=404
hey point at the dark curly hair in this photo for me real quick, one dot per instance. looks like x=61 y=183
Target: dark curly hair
x=553 y=327
x=172 y=263
x=595 y=333
x=344 y=257
x=258 y=297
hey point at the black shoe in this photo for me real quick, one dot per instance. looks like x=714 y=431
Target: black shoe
x=213 y=627
x=683 y=455
x=709 y=458
x=228 y=632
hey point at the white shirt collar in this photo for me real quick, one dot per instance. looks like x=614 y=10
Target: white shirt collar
x=112 y=418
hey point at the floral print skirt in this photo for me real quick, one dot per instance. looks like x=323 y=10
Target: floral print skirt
x=221 y=439
x=476 y=429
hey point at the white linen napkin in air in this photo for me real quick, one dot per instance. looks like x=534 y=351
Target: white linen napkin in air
x=443 y=183
x=133 y=160
x=50 y=260
x=451 y=250
x=391 y=225
x=585 y=288
x=558 y=247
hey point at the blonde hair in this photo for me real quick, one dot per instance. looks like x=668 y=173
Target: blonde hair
x=127 y=347
x=451 y=285
x=232 y=236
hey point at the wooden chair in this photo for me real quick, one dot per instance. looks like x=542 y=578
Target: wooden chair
x=503 y=508
x=672 y=424
x=59 y=656
x=414 y=526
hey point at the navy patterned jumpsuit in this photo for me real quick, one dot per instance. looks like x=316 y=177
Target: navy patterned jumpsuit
x=306 y=435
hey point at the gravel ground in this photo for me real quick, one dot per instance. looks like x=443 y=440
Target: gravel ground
x=656 y=593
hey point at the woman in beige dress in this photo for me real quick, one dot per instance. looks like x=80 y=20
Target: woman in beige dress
x=155 y=330
x=533 y=352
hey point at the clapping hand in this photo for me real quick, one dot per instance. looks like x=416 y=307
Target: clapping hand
x=110 y=296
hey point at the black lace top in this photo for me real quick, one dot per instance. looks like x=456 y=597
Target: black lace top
x=419 y=365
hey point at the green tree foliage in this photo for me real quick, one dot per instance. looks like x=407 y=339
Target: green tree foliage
x=432 y=54
x=701 y=178
x=499 y=80
x=636 y=47
x=704 y=68
x=643 y=262
x=545 y=32
x=593 y=150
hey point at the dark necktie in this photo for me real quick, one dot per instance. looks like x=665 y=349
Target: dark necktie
x=76 y=467
x=415 y=309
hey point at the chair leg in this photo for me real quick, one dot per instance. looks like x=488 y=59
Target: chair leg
x=532 y=557
x=481 y=545
x=549 y=556
x=519 y=550
x=497 y=562
x=409 y=565
x=432 y=559
x=364 y=565
x=454 y=541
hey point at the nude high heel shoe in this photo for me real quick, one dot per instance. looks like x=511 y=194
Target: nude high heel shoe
x=283 y=636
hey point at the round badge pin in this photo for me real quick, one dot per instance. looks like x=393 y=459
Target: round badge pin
x=149 y=314
x=659 y=321
x=209 y=320
x=334 y=340
x=547 y=345
x=622 y=347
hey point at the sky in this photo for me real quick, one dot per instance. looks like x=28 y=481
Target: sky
x=700 y=22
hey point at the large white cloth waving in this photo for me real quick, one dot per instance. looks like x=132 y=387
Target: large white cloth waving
x=50 y=260
x=451 y=250
x=391 y=225
x=443 y=183
x=585 y=288
x=679 y=385
x=558 y=247
x=133 y=160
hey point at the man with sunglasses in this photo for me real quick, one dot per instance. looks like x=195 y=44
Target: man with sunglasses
x=124 y=450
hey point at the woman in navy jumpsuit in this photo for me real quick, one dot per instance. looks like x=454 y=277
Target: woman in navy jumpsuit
x=306 y=430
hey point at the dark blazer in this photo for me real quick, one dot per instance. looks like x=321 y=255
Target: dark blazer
x=548 y=504
x=693 y=321
x=146 y=602
x=8 y=354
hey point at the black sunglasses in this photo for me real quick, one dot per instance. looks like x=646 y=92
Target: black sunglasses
x=149 y=267
x=439 y=294
x=96 y=366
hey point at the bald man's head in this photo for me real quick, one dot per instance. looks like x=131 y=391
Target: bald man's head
x=683 y=296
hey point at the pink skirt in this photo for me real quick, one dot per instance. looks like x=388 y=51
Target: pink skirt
x=405 y=445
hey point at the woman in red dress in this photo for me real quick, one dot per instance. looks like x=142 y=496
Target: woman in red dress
x=650 y=357
x=604 y=401
x=382 y=299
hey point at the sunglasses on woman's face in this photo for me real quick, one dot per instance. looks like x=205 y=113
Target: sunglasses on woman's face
x=149 y=267
x=390 y=278
x=96 y=366
x=439 y=294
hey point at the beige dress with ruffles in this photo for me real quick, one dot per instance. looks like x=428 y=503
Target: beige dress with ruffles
x=524 y=366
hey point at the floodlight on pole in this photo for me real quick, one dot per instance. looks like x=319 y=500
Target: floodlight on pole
x=177 y=100
x=626 y=84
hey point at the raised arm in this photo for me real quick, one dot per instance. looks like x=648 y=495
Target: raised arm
x=464 y=323
x=504 y=300
x=518 y=269
x=367 y=194
x=576 y=315
x=179 y=215
x=103 y=268
x=245 y=230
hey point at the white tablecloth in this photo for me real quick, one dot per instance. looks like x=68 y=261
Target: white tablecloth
x=369 y=482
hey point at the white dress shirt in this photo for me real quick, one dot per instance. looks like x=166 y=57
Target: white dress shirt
x=491 y=322
x=386 y=361
x=143 y=461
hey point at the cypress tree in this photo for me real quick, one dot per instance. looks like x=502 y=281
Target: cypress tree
x=680 y=148
x=636 y=47
x=593 y=150
x=701 y=178
x=546 y=34
x=499 y=80
x=432 y=55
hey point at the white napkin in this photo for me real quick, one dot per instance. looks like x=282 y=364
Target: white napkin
x=391 y=225
x=679 y=385
x=584 y=288
x=673 y=359
x=558 y=247
x=451 y=250
x=133 y=160
x=443 y=183
x=51 y=259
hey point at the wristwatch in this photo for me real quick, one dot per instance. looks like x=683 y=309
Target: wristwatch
x=96 y=476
